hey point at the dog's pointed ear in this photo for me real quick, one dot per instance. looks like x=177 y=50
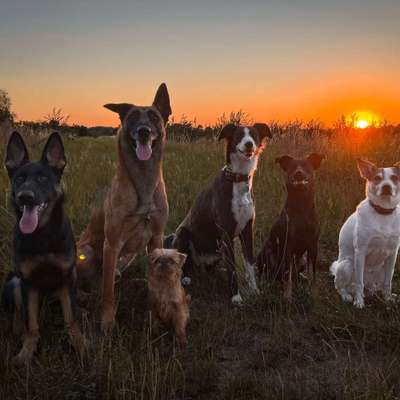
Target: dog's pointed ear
x=227 y=131
x=284 y=161
x=120 y=108
x=17 y=154
x=162 y=102
x=367 y=169
x=182 y=258
x=53 y=153
x=263 y=130
x=315 y=160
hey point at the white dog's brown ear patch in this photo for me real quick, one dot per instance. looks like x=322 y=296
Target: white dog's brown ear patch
x=154 y=256
x=367 y=169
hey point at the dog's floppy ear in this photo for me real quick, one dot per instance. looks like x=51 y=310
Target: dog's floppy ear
x=315 y=160
x=17 y=154
x=120 y=108
x=227 y=131
x=182 y=258
x=53 y=153
x=367 y=169
x=284 y=161
x=154 y=256
x=162 y=102
x=263 y=130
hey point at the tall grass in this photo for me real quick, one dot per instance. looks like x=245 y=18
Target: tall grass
x=316 y=347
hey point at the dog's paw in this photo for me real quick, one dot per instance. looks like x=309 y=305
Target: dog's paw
x=24 y=357
x=186 y=281
x=346 y=297
x=359 y=302
x=390 y=297
x=107 y=320
x=237 y=300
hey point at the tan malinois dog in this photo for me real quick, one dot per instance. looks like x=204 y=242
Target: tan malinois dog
x=135 y=210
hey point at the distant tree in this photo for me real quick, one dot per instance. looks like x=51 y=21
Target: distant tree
x=55 y=118
x=5 y=107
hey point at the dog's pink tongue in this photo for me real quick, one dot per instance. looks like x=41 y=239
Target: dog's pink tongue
x=143 y=151
x=29 y=220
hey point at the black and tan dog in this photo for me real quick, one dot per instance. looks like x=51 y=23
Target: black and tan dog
x=135 y=210
x=225 y=210
x=296 y=231
x=44 y=251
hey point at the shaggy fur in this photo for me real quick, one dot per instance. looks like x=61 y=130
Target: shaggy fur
x=167 y=299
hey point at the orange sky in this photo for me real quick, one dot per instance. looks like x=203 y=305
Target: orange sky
x=274 y=60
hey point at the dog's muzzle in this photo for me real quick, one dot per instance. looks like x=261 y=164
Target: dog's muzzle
x=299 y=179
x=386 y=190
x=143 y=144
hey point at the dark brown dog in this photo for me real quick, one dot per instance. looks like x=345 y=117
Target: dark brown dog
x=296 y=231
x=167 y=299
x=135 y=210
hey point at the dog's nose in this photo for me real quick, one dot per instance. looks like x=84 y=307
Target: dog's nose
x=298 y=176
x=143 y=133
x=26 y=197
x=249 y=145
x=386 y=190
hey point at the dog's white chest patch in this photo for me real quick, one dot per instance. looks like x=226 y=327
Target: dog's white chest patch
x=242 y=205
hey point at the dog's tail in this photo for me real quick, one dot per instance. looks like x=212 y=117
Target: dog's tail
x=11 y=296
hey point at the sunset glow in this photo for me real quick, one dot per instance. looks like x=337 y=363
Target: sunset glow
x=362 y=124
x=77 y=56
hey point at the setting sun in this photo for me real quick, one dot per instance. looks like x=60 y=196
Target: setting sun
x=363 y=119
x=362 y=124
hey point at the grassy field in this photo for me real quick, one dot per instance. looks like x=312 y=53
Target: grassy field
x=314 y=348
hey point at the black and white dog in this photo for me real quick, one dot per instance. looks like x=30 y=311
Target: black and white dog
x=225 y=210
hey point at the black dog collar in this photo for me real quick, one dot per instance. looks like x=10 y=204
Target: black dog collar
x=381 y=210
x=235 y=177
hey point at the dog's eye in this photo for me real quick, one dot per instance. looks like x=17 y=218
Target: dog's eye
x=42 y=178
x=394 y=178
x=20 y=179
x=154 y=117
x=377 y=178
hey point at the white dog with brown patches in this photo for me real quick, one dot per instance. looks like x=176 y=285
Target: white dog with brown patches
x=369 y=240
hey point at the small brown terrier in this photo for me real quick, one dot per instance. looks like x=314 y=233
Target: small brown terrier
x=167 y=299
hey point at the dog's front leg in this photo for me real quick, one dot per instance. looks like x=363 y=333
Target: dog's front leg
x=312 y=259
x=246 y=239
x=389 y=267
x=31 y=336
x=288 y=285
x=359 y=265
x=72 y=327
x=110 y=259
x=228 y=258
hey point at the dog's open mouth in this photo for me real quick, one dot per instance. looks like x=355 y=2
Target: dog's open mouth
x=302 y=182
x=247 y=154
x=143 y=150
x=30 y=217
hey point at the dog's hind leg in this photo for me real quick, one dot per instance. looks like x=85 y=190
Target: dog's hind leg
x=71 y=325
x=386 y=285
x=343 y=271
x=31 y=336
